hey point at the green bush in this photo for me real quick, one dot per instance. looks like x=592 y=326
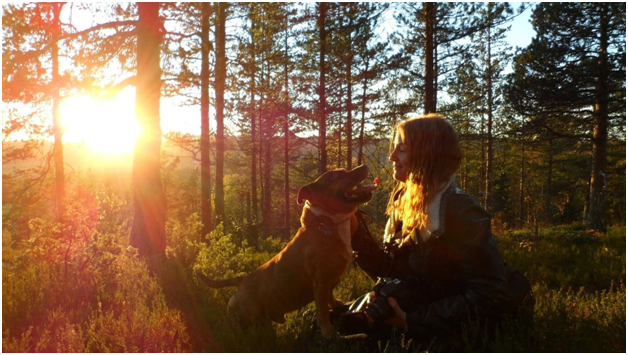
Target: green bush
x=73 y=288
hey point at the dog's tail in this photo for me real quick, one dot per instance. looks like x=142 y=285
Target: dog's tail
x=220 y=283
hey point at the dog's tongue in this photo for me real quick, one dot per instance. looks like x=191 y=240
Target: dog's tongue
x=365 y=188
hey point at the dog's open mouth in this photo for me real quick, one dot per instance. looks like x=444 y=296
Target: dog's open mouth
x=358 y=191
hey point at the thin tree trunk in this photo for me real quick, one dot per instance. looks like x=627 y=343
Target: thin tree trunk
x=268 y=206
x=430 y=105
x=59 y=197
x=522 y=185
x=206 y=188
x=286 y=141
x=548 y=194
x=435 y=60
x=262 y=118
x=248 y=208
x=148 y=233
x=600 y=131
x=481 y=187
x=253 y=128
x=587 y=201
x=339 y=163
x=361 y=138
x=322 y=107
x=221 y=71
x=286 y=177
x=348 y=126
x=489 y=123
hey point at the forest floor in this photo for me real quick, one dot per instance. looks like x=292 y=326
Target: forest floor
x=578 y=278
x=115 y=303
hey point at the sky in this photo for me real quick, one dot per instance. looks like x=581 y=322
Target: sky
x=521 y=32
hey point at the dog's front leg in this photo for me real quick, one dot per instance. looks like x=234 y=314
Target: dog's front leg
x=333 y=302
x=321 y=297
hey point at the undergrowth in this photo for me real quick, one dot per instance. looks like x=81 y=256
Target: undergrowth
x=79 y=287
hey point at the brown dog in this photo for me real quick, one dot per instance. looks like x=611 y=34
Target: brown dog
x=313 y=262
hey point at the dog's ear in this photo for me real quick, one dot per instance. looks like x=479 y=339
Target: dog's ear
x=304 y=193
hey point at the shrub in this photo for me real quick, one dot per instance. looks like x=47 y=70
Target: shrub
x=72 y=288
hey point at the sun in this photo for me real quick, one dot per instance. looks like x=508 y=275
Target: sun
x=106 y=127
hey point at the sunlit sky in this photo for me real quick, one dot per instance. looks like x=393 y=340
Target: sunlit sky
x=96 y=123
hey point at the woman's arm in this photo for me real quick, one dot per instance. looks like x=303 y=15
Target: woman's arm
x=369 y=255
x=484 y=289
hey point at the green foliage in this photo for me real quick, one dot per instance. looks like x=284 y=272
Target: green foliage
x=78 y=287
x=184 y=239
x=220 y=258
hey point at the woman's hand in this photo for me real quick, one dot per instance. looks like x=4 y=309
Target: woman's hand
x=399 y=320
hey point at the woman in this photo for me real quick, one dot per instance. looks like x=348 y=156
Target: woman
x=437 y=240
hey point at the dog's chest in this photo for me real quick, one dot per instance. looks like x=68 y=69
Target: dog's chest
x=344 y=231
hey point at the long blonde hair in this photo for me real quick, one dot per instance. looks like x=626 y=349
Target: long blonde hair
x=435 y=155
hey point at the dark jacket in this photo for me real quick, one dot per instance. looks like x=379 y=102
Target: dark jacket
x=455 y=275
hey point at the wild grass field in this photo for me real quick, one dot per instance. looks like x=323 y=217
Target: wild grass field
x=91 y=292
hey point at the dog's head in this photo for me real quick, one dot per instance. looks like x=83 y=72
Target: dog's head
x=337 y=190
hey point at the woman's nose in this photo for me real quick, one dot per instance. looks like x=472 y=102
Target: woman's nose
x=393 y=156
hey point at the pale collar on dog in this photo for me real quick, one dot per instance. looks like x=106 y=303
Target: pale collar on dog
x=337 y=219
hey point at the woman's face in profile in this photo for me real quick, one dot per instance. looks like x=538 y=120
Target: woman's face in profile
x=400 y=158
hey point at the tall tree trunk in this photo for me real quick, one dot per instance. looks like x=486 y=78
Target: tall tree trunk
x=548 y=194
x=286 y=140
x=322 y=106
x=465 y=174
x=286 y=177
x=253 y=128
x=522 y=185
x=262 y=118
x=435 y=61
x=59 y=197
x=248 y=207
x=148 y=233
x=206 y=187
x=361 y=138
x=488 y=194
x=348 y=126
x=481 y=187
x=587 y=200
x=600 y=131
x=429 y=12
x=268 y=206
x=221 y=72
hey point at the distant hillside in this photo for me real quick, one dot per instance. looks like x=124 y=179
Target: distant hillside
x=78 y=157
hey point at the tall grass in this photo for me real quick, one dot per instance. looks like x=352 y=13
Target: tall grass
x=78 y=287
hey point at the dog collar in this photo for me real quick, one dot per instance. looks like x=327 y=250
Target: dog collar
x=311 y=219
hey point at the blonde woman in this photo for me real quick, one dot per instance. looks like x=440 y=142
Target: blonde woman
x=437 y=241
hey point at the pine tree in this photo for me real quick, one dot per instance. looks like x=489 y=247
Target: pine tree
x=25 y=79
x=433 y=45
x=495 y=52
x=570 y=81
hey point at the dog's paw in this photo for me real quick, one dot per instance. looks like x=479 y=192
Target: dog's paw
x=336 y=303
x=326 y=330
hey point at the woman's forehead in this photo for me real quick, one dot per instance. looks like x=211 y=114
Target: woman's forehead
x=399 y=139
